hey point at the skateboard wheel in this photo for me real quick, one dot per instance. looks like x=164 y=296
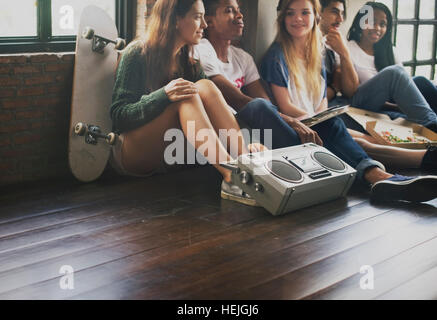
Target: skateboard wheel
x=80 y=129
x=88 y=33
x=120 y=44
x=111 y=138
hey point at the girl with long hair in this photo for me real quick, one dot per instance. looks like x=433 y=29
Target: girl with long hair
x=372 y=53
x=160 y=87
x=294 y=70
x=306 y=65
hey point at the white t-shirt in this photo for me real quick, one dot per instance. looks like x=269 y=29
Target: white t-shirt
x=301 y=97
x=240 y=70
x=364 y=63
x=274 y=70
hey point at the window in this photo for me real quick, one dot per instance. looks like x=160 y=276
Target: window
x=414 y=32
x=51 y=25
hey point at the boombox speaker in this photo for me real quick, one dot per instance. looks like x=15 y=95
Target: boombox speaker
x=292 y=178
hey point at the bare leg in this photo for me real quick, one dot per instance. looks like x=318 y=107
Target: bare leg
x=389 y=155
x=143 y=148
x=193 y=110
x=360 y=135
x=394 y=156
x=221 y=116
x=376 y=174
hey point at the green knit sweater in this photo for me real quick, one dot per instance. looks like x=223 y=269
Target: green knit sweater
x=132 y=105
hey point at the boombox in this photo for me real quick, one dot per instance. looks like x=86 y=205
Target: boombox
x=288 y=179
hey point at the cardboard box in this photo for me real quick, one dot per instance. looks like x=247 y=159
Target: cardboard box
x=380 y=126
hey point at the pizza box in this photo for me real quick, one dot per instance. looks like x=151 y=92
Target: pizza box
x=399 y=132
x=412 y=137
x=362 y=116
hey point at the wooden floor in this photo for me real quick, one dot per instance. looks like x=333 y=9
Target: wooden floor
x=172 y=237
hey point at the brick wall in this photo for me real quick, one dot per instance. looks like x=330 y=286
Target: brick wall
x=35 y=97
x=35 y=93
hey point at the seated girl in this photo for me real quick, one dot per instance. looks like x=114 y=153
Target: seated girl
x=373 y=56
x=294 y=70
x=159 y=87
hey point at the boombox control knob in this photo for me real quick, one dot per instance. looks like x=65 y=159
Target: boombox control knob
x=259 y=187
x=245 y=177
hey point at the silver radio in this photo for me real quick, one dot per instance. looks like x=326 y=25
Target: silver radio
x=291 y=178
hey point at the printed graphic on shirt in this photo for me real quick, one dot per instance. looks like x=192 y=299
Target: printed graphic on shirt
x=239 y=83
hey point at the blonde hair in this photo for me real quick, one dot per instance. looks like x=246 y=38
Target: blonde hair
x=313 y=50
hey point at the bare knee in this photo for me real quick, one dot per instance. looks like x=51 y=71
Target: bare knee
x=191 y=105
x=193 y=99
x=207 y=88
x=205 y=83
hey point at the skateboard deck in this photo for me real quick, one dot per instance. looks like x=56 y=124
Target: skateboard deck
x=90 y=139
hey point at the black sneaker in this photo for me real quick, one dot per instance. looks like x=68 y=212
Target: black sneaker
x=414 y=189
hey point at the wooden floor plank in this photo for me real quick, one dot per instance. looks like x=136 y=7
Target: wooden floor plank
x=172 y=237
x=186 y=262
x=17 y=232
x=260 y=264
x=63 y=215
x=156 y=187
x=327 y=272
x=162 y=240
x=229 y=210
x=53 y=219
x=141 y=237
x=59 y=200
x=388 y=274
x=91 y=224
x=422 y=287
x=78 y=235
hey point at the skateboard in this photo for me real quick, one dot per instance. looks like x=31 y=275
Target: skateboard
x=90 y=139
